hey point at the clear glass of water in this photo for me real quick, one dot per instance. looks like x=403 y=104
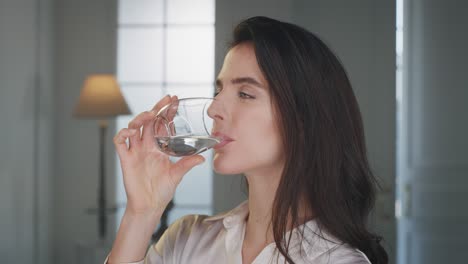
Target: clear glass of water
x=183 y=127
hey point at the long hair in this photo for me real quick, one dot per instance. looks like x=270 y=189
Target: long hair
x=322 y=135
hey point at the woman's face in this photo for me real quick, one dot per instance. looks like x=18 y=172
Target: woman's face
x=244 y=117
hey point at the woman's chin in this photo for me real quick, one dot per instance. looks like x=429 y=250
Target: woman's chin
x=224 y=166
x=225 y=170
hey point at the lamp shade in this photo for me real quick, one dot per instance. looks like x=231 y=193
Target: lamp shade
x=100 y=97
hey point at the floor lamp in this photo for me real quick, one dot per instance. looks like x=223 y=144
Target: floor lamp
x=101 y=99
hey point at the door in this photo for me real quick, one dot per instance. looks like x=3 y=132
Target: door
x=433 y=129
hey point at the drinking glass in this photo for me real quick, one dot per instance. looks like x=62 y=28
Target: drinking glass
x=183 y=127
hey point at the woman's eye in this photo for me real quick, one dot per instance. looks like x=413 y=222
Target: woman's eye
x=245 y=96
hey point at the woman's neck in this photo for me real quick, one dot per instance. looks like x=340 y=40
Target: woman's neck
x=262 y=191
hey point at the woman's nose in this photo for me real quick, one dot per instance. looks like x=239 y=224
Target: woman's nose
x=216 y=110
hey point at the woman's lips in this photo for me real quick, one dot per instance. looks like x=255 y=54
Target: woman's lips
x=224 y=140
x=221 y=144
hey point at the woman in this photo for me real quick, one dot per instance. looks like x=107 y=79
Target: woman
x=290 y=123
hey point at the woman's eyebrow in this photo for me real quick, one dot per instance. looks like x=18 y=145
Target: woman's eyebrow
x=241 y=80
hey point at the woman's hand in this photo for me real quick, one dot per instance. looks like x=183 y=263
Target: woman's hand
x=150 y=178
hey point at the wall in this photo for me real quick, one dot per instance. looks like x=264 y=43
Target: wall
x=230 y=190
x=45 y=114
x=85 y=43
x=26 y=115
x=362 y=33
x=363 y=36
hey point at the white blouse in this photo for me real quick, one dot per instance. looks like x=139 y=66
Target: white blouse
x=218 y=239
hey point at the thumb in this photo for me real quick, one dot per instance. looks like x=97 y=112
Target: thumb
x=182 y=166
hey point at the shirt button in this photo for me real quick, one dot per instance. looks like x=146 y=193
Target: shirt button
x=228 y=222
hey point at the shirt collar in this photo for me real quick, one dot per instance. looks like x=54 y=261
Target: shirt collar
x=317 y=241
x=233 y=217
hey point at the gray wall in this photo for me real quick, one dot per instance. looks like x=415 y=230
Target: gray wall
x=362 y=33
x=230 y=190
x=45 y=137
x=26 y=116
x=363 y=36
x=85 y=44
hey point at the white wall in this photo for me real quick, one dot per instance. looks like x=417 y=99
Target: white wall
x=85 y=43
x=26 y=118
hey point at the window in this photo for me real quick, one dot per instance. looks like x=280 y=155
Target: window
x=167 y=47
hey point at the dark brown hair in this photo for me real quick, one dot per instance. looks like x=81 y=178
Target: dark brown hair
x=322 y=133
